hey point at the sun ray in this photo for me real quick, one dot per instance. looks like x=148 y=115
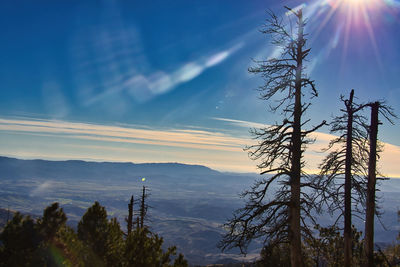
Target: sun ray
x=349 y=18
x=371 y=35
x=327 y=18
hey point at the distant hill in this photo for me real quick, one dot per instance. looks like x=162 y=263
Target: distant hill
x=189 y=203
x=78 y=169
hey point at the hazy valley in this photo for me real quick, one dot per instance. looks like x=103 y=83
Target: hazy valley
x=189 y=203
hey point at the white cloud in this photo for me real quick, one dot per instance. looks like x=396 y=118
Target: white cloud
x=160 y=82
x=217 y=58
x=245 y=124
x=70 y=140
x=143 y=87
x=388 y=163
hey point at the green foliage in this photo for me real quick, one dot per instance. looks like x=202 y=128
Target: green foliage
x=326 y=249
x=180 y=261
x=75 y=252
x=20 y=240
x=93 y=228
x=143 y=248
x=275 y=255
x=52 y=221
x=99 y=242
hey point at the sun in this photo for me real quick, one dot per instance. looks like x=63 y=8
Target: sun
x=354 y=22
x=355 y=5
x=362 y=4
x=357 y=2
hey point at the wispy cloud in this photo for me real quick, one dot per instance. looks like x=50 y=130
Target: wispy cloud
x=388 y=163
x=239 y=123
x=197 y=139
x=216 y=149
x=143 y=86
x=51 y=139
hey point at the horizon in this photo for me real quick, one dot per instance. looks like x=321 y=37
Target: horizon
x=87 y=160
x=134 y=82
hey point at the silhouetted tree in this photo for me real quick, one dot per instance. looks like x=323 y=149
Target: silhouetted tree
x=104 y=238
x=143 y=208
x=20 y=242
x=99 y=242
x=52 y=221
x=349 y=159
x=376 y=108
x=143 y=248
x=180 y=261
x=129 y=220
x=274 y=255
x=92 y=228
x=115 y=244
x=279 y=218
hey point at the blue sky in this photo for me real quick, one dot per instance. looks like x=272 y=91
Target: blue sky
x=176 y=69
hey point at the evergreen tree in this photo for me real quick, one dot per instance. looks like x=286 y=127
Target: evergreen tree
x=53 y=219
x=143 y=248
x=99 y=242
x=20 y=242
x=92 y=228
x=102 y=237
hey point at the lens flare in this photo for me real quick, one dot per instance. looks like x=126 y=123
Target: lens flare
x=351 y=19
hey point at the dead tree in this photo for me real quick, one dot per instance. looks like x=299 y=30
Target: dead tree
x=279 y=217
x=129 y=220
x=376 y=108
x=349 y=160
x=143 y=208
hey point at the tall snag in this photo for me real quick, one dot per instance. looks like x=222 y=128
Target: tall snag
x=143 y=208
x=279 y=218
x=129 y=220
x=376 y=108
x=349 y=159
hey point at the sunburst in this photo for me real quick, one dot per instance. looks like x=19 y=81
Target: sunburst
x=350 y=16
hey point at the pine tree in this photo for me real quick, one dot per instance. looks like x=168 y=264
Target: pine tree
x=102 y=237
x=52 y=221
x=20 y=242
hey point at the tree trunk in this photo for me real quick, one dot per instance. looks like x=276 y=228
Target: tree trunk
x=130 y=216
x=369 y=218
x=142 y=208
x=294 y=209
x=347 y=185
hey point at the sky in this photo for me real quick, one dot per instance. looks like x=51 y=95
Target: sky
x=167 y=81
